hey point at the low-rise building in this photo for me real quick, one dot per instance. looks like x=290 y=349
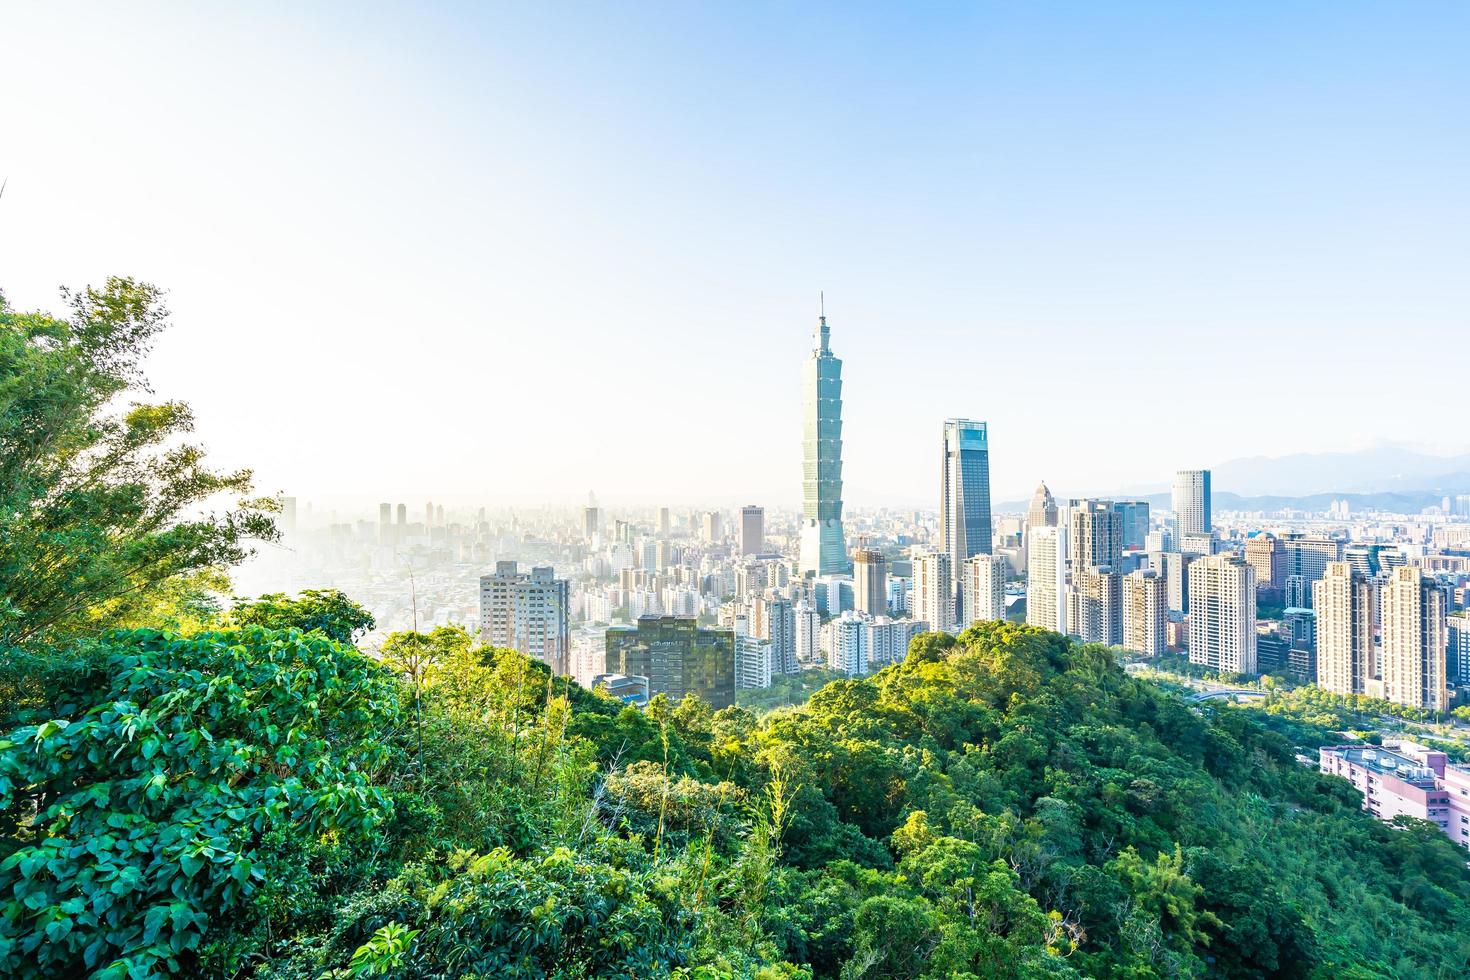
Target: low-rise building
x=1411 y=781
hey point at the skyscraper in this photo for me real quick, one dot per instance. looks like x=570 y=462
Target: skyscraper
x=823 y=547
x=1266 y=554
x=934 y=591
x=870 y=581
x=1306 y=561
x=1222 y=614
x=1145 y=611
x=385 y=523
x=527 y=613
x=402 y=516
x=1046 y=577
x=1192 y=502
x=1415 y=641
x=752 y=529
x=664 y=524
x=1043 y=512
x=964 y=499
x=589 y=522
x=983 y=589
x=1096 y=538
x=1343 y=600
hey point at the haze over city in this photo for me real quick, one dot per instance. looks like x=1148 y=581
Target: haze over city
x=509 y=255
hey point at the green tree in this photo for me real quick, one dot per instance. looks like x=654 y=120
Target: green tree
x=327 y=610
x=101 y=504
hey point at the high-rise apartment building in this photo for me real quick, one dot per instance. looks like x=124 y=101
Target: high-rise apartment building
x=848 y=638
x=402 y=521
x=1267 y=555
x=1457 y=651
x=677 y=657
x=1096 y=538
x=983 y=593
x=1343 y=601
x=870 y=581
x=934 y=591
x=1095 y=606
x=823 y=547
x=808 y=633
x=712 y=527
x=964 y=499
x=665 y=524
x=1176 y=576
x=1415 y=641
x=590 y=522
x=1145 y=612
x=1192 y=513
x=385 y=524
x=1222 y=614
x=1043 y=512
x=1046 y=577
x=527 y=613
x=778 y=624
x=752 y=529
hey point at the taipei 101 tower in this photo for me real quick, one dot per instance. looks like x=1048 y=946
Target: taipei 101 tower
x=823 y=549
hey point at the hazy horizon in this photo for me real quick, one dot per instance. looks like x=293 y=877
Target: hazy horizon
x=519 y=254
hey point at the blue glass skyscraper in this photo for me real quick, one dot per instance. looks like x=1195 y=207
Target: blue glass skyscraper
x=823 y=547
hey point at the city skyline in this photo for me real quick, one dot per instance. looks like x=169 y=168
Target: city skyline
x=564 y=222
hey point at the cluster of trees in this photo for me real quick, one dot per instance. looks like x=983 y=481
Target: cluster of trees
x=192 y=790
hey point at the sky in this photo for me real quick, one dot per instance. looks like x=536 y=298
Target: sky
x=513 y=253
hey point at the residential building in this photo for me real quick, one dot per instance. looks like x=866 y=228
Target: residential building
x=528 y=613
x=808 y=627
x=1096 y=534
x=754 y=663
x=1145 y=612
x=848 y=644
x=1265 y=553
x=934 y=590
x=1046 y=577
x=1415 y=641
x=1134 y=517
x=1222 y=614
x=984 y=592
x=1307 y=558
x=1343 y=602
x=1095 y=606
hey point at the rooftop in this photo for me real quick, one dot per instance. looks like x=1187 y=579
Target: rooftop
x=1385 y=763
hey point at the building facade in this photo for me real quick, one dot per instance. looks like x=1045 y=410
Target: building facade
x=1343 y=602
x=1145 y=612
x=1191 y=498
x=1415 y=641
x=1095 y=606
x=964 y=499
x=983 y=596
x=752 y=529
x=1222 y=614
x=528 y=613
x=934 y=600
x=1046 y=577
x=677 y=656
x=870 y=581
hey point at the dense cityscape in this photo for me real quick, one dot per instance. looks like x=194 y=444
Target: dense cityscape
x=642 y=602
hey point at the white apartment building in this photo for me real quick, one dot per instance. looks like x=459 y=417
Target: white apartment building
x=1222 y=614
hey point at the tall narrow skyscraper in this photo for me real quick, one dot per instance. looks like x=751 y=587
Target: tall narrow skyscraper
x=823 y=547
x=1046 y=578
x=1192 y=503
x=964 y=499
x=1043 y=512
x=870 y=582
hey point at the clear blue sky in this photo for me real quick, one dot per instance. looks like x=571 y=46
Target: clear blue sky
x=520 y=252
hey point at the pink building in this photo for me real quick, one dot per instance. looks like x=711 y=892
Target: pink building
x=1411 y=781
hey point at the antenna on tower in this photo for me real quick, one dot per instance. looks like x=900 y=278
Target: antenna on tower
x=822 y=299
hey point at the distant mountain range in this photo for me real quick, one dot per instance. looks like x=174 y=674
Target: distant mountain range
x=1382 y=478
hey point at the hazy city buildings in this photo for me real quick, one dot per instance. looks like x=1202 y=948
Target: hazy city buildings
x=1415 y=639
x=964 y=499
x=677 y=657
x=1343 y=602
x=527 y=613
x=1222 y=614
x=823 y=546
x=1145 y=612
x=1046 y=577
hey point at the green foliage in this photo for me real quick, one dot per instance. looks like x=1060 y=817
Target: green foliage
x=327 y=610
x=137 y=819
x=787 y=689
x=100 y=502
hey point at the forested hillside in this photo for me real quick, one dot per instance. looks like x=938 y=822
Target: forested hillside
x=193 y=790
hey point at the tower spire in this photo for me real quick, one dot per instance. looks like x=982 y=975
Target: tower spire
x=823 y=334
